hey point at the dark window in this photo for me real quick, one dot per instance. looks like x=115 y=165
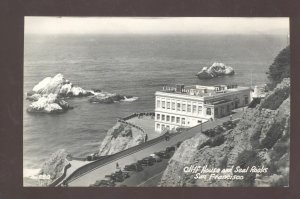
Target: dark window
x=173 y=105
x=178 y=106
x=168 y=118
x=188 y=108
x=163 y=104
x=208 y=111
x=173 y=119
x=168 y=105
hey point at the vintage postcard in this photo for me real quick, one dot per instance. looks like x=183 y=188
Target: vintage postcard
x=156 y=102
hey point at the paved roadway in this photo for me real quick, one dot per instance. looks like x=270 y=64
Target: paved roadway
x=110 y=167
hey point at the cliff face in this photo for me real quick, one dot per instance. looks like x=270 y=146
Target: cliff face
x=261 y=138
x=54 y=166
x=120 y=137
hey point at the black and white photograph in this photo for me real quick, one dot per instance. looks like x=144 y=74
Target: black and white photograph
x=156 y=102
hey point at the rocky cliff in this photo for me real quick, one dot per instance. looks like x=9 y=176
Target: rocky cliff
x=120 y=137
x=260 y=139
x=54 y=166
x=215 y=70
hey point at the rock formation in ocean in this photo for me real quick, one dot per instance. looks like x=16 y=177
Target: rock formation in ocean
x=54 y=166
x=48 y=104
x=215 y=70
x=120 y=137
x=57 y=85
x=261 y=138
x=49 y=95
x=108 y=98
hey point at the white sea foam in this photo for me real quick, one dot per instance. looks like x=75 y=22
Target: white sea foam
x=30 y=173
x=129 y=99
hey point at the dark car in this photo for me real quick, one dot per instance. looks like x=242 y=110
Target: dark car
x=170 y=149
x=118 y=176
x=103 y=183
x=125 y=175
x=148 y=161
x=133 y=167
x=156 y=157
x=163 y=154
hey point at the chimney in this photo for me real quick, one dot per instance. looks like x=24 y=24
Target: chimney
x=179 y=87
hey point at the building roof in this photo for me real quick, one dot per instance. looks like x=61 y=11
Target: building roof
x=204 y=91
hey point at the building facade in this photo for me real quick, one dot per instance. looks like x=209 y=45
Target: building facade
x=189 y=106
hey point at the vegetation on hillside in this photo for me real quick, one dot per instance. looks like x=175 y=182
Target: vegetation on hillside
x=280 y=68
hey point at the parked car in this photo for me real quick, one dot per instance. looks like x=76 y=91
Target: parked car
x=163 y=154
x=170 y=149
x=148 y=161
x=156 y=157
x=103 y=183
x=133 y=167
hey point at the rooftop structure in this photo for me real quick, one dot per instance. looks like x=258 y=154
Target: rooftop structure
x=188 y=106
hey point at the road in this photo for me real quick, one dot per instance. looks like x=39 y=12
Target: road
x=99 y=173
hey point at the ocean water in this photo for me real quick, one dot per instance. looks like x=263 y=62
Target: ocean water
x=135 y=65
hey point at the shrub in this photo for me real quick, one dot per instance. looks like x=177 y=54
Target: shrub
x=217 y=140
x=223 y=162
x=280 y=68
x=279 y=150
x=245 y=159
x=272 y=136
x=274 y=100
x=254 y=139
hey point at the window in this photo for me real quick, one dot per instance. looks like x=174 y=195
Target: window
x=162 y=127
x=168 y=118
x=194 y=108
x=199 y=110
x=168 y=105
x=177 y=120
x=183 y=121
x=158 y=126
x=189 y=108
x=158 y=116
x=208 y=111
x=246 y=100
x=168 y=127
x=216 y=111
x=183 y=107
x=178 y=106
x=173 y=105
x=173 y=119
x=158 y=103
x=163 y=117
x=163 y=104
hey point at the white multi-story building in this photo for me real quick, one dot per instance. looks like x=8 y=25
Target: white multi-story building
x=188 y=106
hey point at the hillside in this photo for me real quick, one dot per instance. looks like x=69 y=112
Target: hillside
x=261 y=138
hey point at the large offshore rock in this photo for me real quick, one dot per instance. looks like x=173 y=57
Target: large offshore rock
x=48 y=104
x=58 y=85
x=215 y=70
